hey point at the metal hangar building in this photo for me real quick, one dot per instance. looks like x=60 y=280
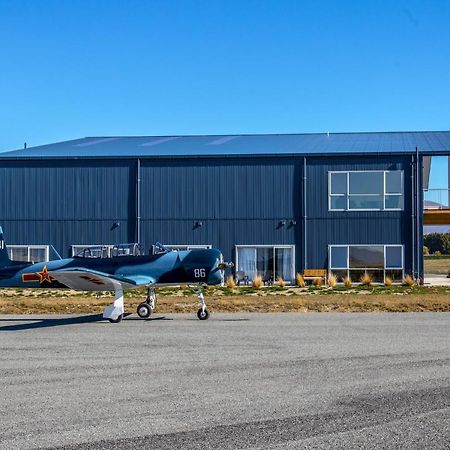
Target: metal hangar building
x=274 y=204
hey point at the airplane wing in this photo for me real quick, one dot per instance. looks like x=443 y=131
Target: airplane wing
x=82 y=279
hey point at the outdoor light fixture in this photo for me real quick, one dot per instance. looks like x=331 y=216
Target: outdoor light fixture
x=281 y=223
x=293 y=222
x=198 y=224
x=115 y=225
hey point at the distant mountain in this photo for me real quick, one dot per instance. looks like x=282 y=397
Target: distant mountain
x=432 y=205
x=427 y=229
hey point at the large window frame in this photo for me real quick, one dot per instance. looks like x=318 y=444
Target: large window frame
x=348 y=195
x=273 y=247
x=367 y=269
x=28 y=249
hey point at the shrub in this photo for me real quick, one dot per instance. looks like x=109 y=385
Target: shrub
x=409 y=281
x=437 y=253
x=299 y=280
x=388 y=281
x=366 y=280
x=348 y=282
x=257 y=283
x=426 y=250
x=281 y=282
x=230 y=283
x=332 y=281
x=317 y=282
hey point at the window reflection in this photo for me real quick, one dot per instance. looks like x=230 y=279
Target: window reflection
x=366 y=183
x=268 y=262
x=378 y=261
x=366 y=190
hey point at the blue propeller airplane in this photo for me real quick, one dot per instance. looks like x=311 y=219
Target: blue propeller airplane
x=92 y=270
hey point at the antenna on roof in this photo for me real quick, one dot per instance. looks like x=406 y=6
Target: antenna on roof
x=24 y=145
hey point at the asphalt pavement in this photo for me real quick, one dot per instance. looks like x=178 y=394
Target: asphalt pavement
x=260 y=381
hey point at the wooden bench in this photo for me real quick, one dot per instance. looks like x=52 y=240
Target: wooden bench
x=312 y=274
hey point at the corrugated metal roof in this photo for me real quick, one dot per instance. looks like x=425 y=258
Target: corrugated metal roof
x=428 y=142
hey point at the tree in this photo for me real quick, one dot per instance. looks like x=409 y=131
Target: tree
x=437 y=242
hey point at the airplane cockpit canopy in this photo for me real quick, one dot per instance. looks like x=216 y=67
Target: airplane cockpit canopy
x=158 y=249
x=133 y=249
x=105 y=251
x=100 y=251
x=109 y=251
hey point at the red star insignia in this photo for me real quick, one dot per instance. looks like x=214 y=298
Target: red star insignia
x=44 y=276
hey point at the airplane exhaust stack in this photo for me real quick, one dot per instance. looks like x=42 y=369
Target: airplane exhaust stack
x=225 y=265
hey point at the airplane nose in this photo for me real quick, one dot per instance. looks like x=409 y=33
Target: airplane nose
x=217 y=274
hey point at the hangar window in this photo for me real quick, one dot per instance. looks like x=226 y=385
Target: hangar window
x=28 y=253
x=379 y=261
x=365 y=190
x=266 y=261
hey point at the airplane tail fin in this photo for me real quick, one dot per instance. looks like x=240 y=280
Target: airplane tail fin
x=4 y=257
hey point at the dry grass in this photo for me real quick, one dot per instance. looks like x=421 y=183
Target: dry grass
x=366 y=280
x=437 y=265
x=230 y=283
x=332 y=281
x=247 y=298
x=257 y=283
x=302 y=302
x=388 y=281
x=348 y=282
x=299 y=280
x=409 y=281
x=281 y=282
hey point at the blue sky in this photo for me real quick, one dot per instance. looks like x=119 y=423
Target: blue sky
x=83 y=68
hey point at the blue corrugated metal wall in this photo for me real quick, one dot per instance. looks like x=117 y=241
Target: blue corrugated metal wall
x=67 y=202
x=239 y=200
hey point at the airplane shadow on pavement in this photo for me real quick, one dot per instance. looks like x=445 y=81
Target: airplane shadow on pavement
x=32 y=323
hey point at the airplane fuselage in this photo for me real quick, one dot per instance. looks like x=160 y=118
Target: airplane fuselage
x=183 y=267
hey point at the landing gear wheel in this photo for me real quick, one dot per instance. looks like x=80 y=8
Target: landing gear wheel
x=119 y=319
x=202 y=314
x=144 y=310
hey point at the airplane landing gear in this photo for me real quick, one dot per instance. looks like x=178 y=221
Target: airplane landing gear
x=151 y=298
x=202 y=313
x=145 y=309
x=119 y=319
x=114 y=312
